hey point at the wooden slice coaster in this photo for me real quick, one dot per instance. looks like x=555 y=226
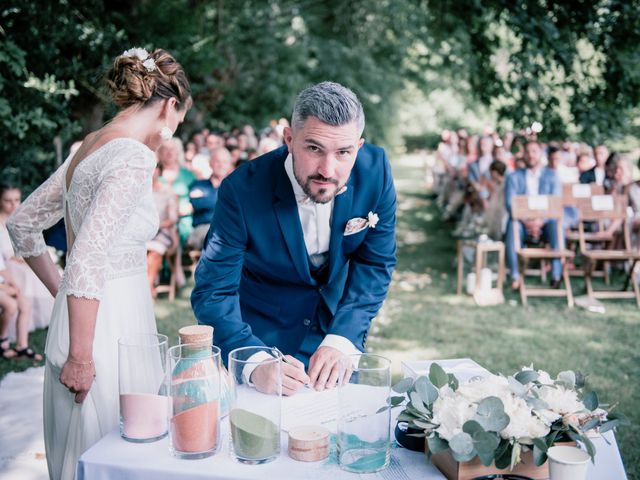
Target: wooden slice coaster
x=309 y=443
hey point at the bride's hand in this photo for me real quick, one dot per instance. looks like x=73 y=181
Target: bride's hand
x=78 y=377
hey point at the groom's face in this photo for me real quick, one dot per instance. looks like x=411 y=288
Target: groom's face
x=323 y=156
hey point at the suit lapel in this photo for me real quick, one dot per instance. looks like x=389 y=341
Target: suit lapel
x=341 y=212
x=286 y=210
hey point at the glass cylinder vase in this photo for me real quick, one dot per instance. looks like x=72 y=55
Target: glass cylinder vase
x=194 y=386
x=255 y=415
x=142 y=362
x=364 y=426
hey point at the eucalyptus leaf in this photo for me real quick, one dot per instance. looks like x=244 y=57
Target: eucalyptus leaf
x=437 y=444
x=423 y=425
x=383 y=409
x=490 y=414
x=453 y=382
x=416 y=402
x=605 y=427
x=438 y=376
x=462 y=447
x=567 y=378
x=591 y=449
x=485 y=442
x=403 y=386
x=472 y=427
x=516 y=387
x=428 y=393
x=592 y=423
x=395 y=401
x=486 y=458
x=537 y=403
x=540 y=443
x=503 y=455
x=526 y=376
x=591 y=401
x=539 y=455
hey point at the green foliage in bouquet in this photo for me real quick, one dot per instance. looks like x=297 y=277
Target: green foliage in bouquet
x=496 y=417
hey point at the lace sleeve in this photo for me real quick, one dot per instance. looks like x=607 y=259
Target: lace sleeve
x=41 y=210
x=122 y=182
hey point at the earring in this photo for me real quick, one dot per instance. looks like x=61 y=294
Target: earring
x=166 y=133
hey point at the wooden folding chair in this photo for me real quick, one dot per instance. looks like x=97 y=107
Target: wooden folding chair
x=608 y=208
x=570 y=195
x=172 y=257
x=544 y=207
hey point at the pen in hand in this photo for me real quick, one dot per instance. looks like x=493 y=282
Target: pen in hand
x=284 y=359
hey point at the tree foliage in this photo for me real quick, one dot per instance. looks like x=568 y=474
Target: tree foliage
x=571 y=65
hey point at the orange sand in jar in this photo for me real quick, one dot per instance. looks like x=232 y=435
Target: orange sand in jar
x=196 y=429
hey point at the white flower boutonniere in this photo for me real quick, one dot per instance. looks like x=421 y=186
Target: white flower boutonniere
x=372 y=219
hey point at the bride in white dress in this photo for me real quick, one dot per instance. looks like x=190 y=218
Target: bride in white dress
x=104 y=194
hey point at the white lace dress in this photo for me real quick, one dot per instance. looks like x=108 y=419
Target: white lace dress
x=110 y=215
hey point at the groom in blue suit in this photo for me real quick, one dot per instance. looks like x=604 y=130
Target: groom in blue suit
x=302 y=249
x=533 y=180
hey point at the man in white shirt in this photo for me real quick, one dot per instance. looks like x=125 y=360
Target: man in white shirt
x=302 y=250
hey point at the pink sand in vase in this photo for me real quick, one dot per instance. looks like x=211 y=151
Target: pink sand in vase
x=144 y=416
x=196 y=429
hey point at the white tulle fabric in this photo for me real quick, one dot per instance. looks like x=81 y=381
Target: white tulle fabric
x=110 y=212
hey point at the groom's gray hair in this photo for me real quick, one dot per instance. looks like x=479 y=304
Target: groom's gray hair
x=329 y=102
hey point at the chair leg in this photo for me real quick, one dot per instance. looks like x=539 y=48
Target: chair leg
x=543 y=271
x=567 y=284
x=172 y=281
x=634 y=282
x=460 y=269
x=523 y=291
x=588 y=269
x=606 y=266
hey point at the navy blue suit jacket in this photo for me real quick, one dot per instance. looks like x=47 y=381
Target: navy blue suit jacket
x=549 y=184
x=253 y=282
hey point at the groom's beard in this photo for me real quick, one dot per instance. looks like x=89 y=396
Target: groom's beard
x=323 y=195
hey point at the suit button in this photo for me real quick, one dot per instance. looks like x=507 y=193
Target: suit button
x=306 y=322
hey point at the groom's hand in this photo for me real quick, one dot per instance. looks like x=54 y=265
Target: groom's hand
x=294 y=378
x=324 y=367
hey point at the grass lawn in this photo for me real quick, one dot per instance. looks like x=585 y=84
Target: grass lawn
x=424 y=319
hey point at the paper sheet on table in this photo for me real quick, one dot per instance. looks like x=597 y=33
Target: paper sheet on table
x=309 y=407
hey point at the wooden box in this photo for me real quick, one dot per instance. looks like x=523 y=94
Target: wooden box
x=455 y=470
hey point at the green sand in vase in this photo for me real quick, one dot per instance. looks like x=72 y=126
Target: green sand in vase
x=254 y=437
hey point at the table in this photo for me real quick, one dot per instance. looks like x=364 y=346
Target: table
x=114 y=458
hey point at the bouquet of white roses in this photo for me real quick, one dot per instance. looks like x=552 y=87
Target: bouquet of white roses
x=497 y=417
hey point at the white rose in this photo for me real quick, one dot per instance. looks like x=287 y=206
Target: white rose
x=490 y=386
x=561 y=400
x=523 y=425
x=141 y=53
x=450 y=412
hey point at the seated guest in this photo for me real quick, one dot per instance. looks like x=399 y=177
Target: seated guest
x=14 y=308
x=533 y=180
x=166 y=240
x=495 y=214
x=566 y=172
x=615 y=177
x=171 y=158
x=203 y=195
x=480 y=168
x=29 y=284
x=597 y=173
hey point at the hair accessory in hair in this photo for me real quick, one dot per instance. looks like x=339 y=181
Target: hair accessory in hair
x=147 y=62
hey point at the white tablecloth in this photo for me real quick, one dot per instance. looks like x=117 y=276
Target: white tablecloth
x=114 y=458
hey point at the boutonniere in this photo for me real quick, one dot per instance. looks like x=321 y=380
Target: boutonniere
x=358 y=224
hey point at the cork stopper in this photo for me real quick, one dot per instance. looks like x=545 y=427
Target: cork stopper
x=196 y=334
x=309 y=443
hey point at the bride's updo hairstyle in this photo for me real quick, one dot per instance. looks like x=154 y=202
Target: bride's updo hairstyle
x=138 y=77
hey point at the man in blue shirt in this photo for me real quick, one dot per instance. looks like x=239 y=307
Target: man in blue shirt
x=203 y=195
